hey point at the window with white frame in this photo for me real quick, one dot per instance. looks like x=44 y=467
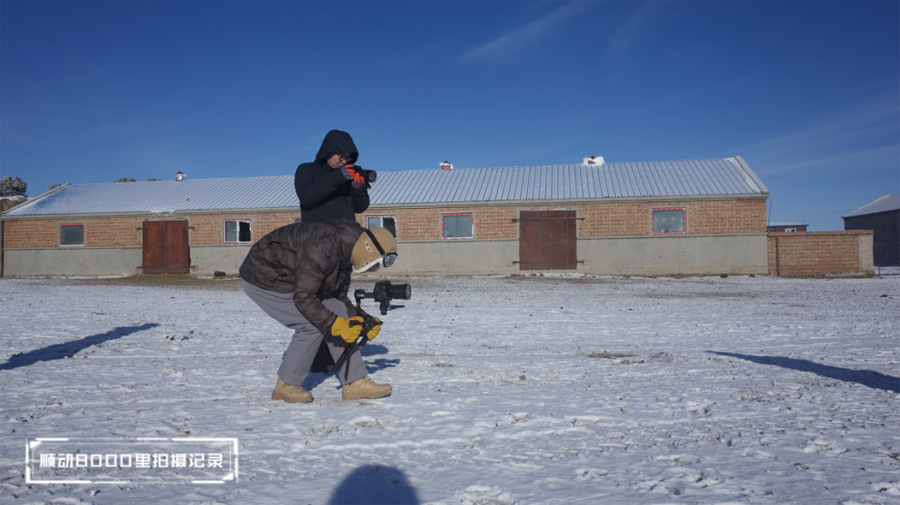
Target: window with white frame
x=71 y=234
x=456 y=226
x=668 y=222
x=237 y=232
x=387 y=222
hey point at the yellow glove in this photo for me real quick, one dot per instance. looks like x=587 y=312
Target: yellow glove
x=342 y=328
x=375 y=329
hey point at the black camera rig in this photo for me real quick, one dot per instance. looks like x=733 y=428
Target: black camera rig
x=383 y=293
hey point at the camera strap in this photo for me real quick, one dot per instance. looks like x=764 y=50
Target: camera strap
x=387 y=259
x=375 y=241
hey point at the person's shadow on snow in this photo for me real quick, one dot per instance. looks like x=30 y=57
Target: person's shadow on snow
x=317 y=378
x=69 y=349
x=868 y=378
x=375 y=485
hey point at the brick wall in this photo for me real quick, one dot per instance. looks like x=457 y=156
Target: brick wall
x=608 y=219
x=210 y=229
x=31 y=233
x=613 y=219
x=816 y=253
x=125 y=231
x=703 y=217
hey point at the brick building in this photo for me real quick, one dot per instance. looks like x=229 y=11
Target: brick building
x=691 y=217
x=787 y=227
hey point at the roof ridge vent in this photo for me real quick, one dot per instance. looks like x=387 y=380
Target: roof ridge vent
x=593 y=160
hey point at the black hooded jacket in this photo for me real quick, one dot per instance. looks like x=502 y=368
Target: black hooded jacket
x=325 y=195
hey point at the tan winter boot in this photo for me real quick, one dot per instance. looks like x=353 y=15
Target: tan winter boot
x=291 y=394
x=365 y=388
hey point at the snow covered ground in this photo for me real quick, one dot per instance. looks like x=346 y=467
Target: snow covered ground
x=507 y=390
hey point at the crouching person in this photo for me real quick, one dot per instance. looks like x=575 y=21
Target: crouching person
x=300 y=274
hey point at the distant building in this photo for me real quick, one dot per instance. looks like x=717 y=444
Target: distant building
x=680 y=217
x=786 y=227
x=882 y=216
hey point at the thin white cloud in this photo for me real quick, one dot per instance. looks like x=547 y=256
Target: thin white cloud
x=858 y=160
x=877 y=116
x=634 y=29
x=520 y=39
x=865 y=132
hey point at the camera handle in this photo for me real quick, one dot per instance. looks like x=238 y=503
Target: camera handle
x=383 y=305
x=368 y=323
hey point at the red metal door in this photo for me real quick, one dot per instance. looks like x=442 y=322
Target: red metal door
x=547 y=240
x=166 y=248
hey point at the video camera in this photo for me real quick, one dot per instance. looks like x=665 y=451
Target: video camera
x=362 y=175
x=383 y=293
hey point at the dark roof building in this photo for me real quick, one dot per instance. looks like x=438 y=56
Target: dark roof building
x=882 y=216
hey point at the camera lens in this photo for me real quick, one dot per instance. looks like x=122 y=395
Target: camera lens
x=401 y=291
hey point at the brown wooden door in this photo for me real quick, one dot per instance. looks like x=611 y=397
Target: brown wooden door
x=166 y=247
x=547 y=240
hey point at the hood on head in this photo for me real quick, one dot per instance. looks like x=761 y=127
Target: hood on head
x=337 y=142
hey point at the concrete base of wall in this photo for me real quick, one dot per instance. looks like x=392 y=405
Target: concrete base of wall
x=72 y=261
x=106 y=261
x=671 y=255
x=472 y=257
x=206 y=260
x=819 y=253
x=675 y=255
x=866 y=245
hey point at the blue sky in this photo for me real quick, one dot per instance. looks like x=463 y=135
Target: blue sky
x=807 y=92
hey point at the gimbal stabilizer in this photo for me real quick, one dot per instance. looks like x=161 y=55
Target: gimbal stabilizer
x=384 y=292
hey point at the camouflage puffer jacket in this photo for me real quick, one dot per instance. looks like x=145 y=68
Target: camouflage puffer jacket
x=312 y=260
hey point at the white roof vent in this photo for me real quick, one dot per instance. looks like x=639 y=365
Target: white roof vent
x=594 y=160
x=180 y=176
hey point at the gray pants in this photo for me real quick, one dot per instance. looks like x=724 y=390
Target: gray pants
x=307 y=337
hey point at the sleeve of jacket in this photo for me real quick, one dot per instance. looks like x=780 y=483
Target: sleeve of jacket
x=360 y=198
x=342 y=295
x=312 y=190
x=314 y=262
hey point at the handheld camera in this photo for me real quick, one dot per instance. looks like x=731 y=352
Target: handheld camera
x=362 y=174
x=383 y=293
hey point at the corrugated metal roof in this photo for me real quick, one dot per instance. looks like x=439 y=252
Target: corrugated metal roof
x=725 y=176
x=689 y=178
x=165 y=196
x=886 y=203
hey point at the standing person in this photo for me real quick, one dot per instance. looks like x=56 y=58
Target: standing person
x=328 y=192
x=300 y=274
x=327 y=189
